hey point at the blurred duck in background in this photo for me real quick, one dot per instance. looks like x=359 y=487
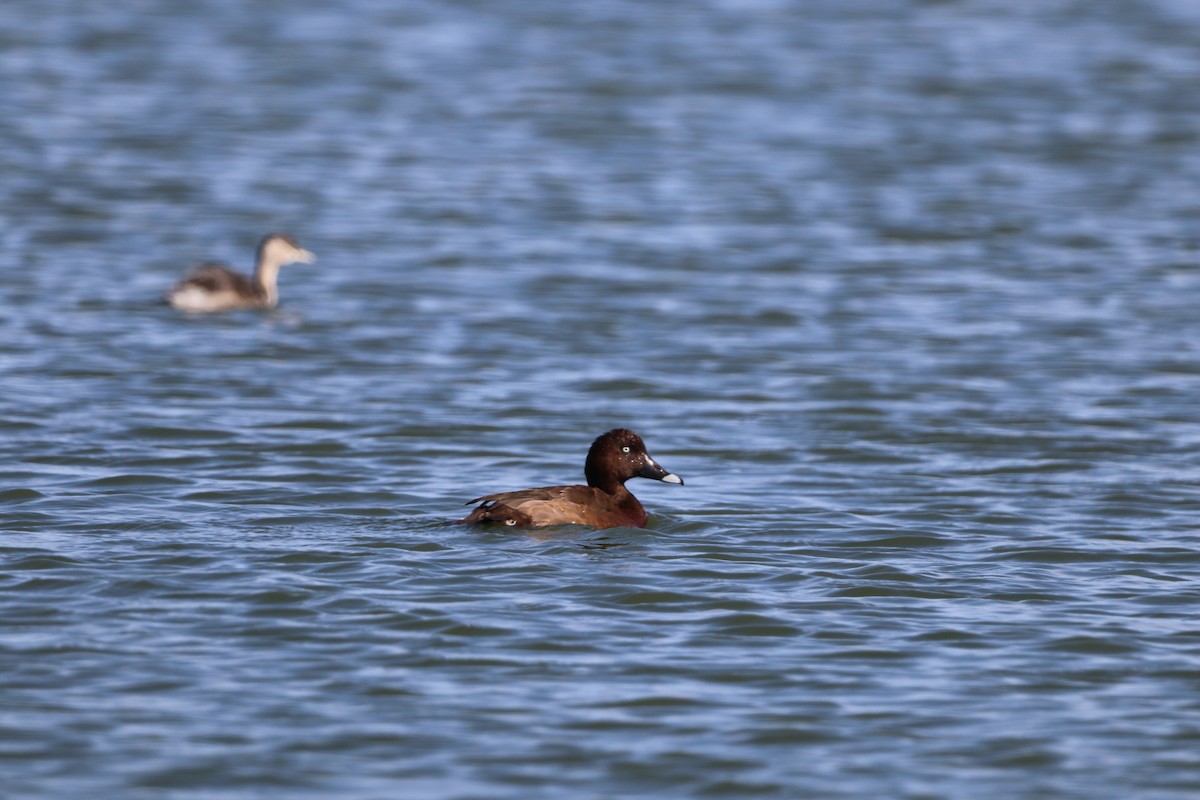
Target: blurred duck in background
x=215 y=287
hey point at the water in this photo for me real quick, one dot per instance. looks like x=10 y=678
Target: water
x=905 y=292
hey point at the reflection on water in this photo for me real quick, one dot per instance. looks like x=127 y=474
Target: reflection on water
x=907 y=292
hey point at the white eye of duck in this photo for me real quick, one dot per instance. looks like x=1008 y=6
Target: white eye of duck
x=510 y=522
x=625 y=449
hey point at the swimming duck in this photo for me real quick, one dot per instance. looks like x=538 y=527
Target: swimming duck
x=613 y=458
x=215 y=287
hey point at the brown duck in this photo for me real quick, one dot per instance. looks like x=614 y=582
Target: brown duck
x=215 y=287
x=613 y=458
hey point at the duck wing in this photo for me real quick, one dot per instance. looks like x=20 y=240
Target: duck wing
x=549 y=505
x=561 y=505
x=220 y=278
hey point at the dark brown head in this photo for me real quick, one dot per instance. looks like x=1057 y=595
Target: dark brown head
x=619 y=455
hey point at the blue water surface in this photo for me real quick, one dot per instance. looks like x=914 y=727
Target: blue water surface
x=906 y=292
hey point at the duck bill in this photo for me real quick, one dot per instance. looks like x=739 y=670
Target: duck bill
x=306 y=257
x=654 y=472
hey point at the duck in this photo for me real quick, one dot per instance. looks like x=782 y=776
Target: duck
x=613 y=458
x=215 y=287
